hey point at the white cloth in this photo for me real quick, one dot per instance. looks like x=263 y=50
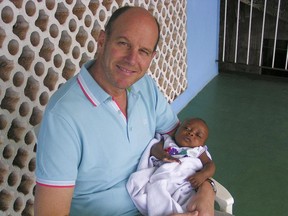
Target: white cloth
x=163 y=190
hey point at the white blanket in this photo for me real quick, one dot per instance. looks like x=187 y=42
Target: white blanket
x=162 y=191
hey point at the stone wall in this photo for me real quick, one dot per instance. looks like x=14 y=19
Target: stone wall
x=42 y=45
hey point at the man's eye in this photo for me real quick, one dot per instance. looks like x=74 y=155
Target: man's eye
x=145 y=52
x=123 y=43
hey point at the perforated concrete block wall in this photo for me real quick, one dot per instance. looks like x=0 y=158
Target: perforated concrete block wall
x=42 y=45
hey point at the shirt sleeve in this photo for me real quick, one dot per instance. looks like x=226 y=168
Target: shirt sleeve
x=166 y=119
x=58 y=152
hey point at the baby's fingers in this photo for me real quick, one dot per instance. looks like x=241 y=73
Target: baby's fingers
x=171 y=159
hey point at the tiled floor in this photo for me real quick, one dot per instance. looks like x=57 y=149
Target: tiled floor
x=248 y=121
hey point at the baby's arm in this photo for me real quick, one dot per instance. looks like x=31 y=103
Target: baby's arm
x=158 y=152
x=206 y=172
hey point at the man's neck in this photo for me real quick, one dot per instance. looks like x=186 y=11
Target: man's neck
x=118 y=95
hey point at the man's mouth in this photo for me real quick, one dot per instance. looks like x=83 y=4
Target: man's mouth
x=125 y=70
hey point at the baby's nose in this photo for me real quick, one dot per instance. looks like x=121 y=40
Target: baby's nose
x=190 y=133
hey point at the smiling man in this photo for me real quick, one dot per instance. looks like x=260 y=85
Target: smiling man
x=97 y=125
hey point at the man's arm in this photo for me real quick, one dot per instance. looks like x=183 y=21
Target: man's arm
x=203 y=201
x=52 y=201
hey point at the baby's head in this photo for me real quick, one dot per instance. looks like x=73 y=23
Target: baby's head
x=193 y=132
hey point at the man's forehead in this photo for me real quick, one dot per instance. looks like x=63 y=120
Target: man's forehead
x=132 y=35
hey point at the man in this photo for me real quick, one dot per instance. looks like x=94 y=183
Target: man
x=97 y=125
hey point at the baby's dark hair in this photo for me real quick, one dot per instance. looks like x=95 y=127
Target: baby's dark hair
x=197 y=119
x=117 y=13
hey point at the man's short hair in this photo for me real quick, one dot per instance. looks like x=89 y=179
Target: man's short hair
x=117 y=13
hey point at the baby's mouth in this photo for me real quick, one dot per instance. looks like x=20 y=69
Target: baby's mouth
x=187 y=139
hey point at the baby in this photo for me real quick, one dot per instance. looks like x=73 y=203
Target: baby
x=189 y=141
x=167 y=186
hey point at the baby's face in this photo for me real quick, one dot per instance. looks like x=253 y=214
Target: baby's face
x=191 y=133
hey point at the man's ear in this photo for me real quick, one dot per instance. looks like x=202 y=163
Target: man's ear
x=101 y=39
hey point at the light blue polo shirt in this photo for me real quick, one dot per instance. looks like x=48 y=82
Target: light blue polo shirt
x=85 y=141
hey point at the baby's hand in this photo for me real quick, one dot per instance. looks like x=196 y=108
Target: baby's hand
x=196 y=180
x=169 y=159
x=158 y=152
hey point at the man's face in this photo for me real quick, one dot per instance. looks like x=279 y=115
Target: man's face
x=127 y=52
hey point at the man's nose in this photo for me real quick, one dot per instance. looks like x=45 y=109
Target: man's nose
x=131 y=56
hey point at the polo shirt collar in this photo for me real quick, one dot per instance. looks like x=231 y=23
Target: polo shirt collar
x=94 y=93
